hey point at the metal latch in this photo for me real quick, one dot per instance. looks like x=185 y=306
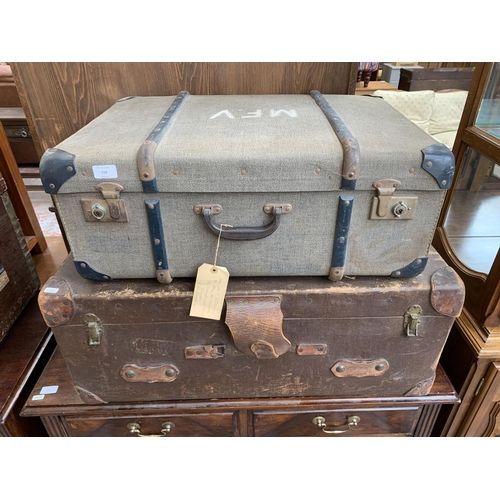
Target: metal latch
x=93 y=328
x=109 y=209
x=389 y=207
x=412 y=318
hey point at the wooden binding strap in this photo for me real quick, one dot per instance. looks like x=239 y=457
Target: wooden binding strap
x=256 y=325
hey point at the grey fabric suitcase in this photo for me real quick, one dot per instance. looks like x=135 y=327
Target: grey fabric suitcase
x=297 y=185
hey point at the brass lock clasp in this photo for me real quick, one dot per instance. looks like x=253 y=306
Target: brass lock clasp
x=108 y=209
x=412 y=319
x=386 y=206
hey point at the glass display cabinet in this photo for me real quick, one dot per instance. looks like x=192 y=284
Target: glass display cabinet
x=468 y=238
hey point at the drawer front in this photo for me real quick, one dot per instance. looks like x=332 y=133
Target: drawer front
x=200 y=425
x=369 y=422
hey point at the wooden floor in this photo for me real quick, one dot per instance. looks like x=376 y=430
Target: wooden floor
x=473 y=227
x=48 y=262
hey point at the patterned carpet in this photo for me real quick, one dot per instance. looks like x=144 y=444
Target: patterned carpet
x=41 y=202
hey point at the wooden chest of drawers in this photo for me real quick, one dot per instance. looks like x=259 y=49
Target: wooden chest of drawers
x=24 y=353
x=55 y=400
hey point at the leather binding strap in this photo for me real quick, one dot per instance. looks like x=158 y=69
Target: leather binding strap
x=158 y=240
x=342 y=227
x=146 y=169
x=146 y=153
x=256 y=324
x=350 y=167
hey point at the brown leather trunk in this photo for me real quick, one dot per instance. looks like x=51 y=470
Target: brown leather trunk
x=18 y=278
x=133 y=340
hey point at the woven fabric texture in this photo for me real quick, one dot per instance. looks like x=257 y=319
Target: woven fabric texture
x=243 y=152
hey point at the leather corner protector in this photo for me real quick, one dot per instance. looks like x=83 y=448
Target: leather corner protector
x=56 y=302
x=439 y=162
x=88 y=272
x=447 y=292
x=411 y=270
x=56 y=167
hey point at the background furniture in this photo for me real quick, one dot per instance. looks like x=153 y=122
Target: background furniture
x=60 y=98
x=391 y=72
x=438 y=113
x=63 y=413
x=16 y=127
x=411 y=79
x=23 y=354
x=19 y=197
x=468 y=238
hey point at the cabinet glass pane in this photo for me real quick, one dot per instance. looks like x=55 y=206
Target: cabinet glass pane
x=472 y=225
x=488 y=118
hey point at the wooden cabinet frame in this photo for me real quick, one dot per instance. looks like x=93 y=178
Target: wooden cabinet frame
x=482 y=291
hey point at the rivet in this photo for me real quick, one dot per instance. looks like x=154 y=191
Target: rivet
x=419 y=261
x=350 y=174
x=84 y=173
x=341 y=239
x=346 y=203
x=443 y=183
x=150 y=206
x=157 y=241
x=318 y=170
x=340 y=369
x=380 y=367
x=130 y=374
x=69 y=169
x=176 y=172
x=146 y=174
x=170 y=372
x=83 y=264
x=243 y=172
x=52 y=186
x=106 y=277
x=64 y=315
x=397 y=273
x=429 y=164
x=412 y=170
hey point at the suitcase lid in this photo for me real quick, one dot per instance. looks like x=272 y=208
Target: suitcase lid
x=67 y=298
x=245 y=143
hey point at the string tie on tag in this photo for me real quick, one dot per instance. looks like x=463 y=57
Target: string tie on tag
x=218 y=243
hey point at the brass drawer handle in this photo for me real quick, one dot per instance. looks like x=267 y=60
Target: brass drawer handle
x=351 y=421
x=166 y=427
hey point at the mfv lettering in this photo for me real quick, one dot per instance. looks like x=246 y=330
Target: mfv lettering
x=273 y=113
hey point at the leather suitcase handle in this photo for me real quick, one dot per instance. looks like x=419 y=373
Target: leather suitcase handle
x=256 y=326
x=243 y=233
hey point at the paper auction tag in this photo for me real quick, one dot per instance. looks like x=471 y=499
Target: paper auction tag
x=209 y=291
